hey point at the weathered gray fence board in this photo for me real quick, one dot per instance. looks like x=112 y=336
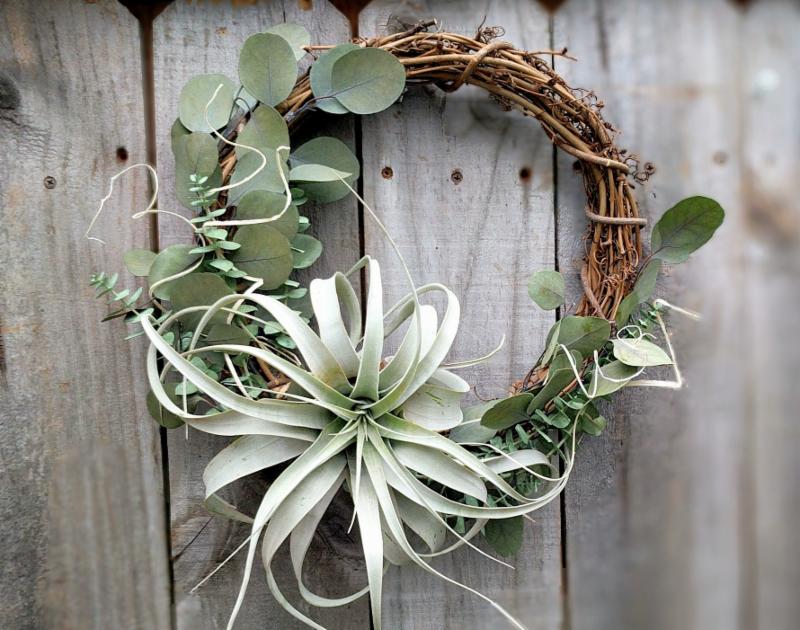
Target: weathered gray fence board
x=188 y=40
x=661 y=516
x=470 y=204
x=83 y=539
x=770 y=161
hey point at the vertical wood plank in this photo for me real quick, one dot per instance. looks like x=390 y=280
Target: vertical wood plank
x=770 y=155
x=470 y=204
x=662 y=511
x=71 y=95
x=191 y=39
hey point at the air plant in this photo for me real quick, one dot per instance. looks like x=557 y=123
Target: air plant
x=354 y=419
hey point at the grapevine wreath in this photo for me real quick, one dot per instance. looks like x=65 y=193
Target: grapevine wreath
x=299 y=375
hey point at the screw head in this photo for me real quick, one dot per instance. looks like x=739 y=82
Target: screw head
x=50 y=182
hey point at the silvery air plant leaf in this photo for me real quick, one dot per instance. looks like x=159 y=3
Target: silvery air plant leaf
x=356 y=420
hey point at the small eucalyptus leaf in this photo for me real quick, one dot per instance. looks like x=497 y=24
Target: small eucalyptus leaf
x=684 y=228
x=367 y=80
x=305 y=251
x=197 y=93
x=297 y=36
x=264 y=253
x=320 y=76
x=262 y=204
x=584 y=334
x=615 y=376
x=267 y=179
x=642 y=291
x=183 y=186
x=546 y=288
x=169 y=261
x=507 y=412
x=640 y=353
x=268 y=67
x=198 y=289
x=505 y=535
x=329 y=152
x=139 y=261
x=317 y=173
x=266 y=131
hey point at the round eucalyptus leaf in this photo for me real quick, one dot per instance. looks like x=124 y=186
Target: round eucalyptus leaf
x=305 y=251
x=165 y=418
x=198 y=289
x=168 y=262
x=196 y=153
x=320 y=76
x=264 y=253
x=267 y=67
x=267 y=179
x=139 y=261
x=684 y=228
x=262 y=204
x=507 y=412
x=266 y=131
x=297 y=36
x=183 y=184
x=505 y=535
x=329 y=152
x=583 y=334
x=367 y=80
x=176 y=132
x=197 y=93
x=546 y=288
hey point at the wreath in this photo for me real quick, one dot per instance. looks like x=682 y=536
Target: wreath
x=301 y=378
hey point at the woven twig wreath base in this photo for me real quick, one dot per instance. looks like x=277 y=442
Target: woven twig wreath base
x=571 y=118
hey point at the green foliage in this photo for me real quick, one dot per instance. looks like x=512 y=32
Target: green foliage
x=197 y=93
x=546 y=288
x=297 y=36
x=305 y=251
x=583 y=334
x=367 y=80
x=505 y=535
x=262 y=204
x=170 y=261
x=266 y=131
x=334 y=154
x=640 y=352
x=198 y=289
x=139 y=261
x=268 y=67
x=264 y=253
x=507 y=412
x=684 y=228
x=642 y=291
x=268 y=178
x=320 y=76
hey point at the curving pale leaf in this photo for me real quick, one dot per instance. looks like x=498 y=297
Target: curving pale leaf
x=195 y=96
x=367 y=80
x=546 y=288
x=684 y=228
x=267 y=67
x=320 y=76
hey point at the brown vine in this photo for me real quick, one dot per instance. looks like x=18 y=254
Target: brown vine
x=571 y=118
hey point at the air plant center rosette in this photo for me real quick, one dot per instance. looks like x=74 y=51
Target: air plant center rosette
x=306 y=386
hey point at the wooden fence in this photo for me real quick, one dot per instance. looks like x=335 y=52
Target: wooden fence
x=682 y=515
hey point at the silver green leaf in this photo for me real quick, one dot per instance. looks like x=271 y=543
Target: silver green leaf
x=139 y=261
x=197 y=93
x=684 y=228
x=507 y=412
x=367 y=80
x=333 y=153
x=268 y=67
x=546 y=288
x=305 y=251
x=267 y=178
x=296 y=35
x=266 y=131
x=639 y=352
x=198 y=289
x=263 y=204
x=168 y=262
x=265 y=253
x=505 y=535
x=642 y=291
x=320 y=76
x=583 y=334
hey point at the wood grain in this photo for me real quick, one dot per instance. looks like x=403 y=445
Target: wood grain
x=470 y=204
x=189 y=40
x=663 y=510
x=70 y=97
